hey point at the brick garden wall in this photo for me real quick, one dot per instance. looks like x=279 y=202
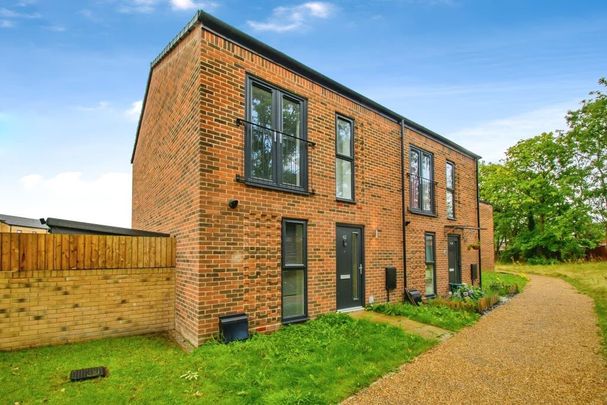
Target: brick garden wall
x=487 y=243
x=60 y=289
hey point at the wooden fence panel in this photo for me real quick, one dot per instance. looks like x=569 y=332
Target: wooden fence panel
x=27 y=252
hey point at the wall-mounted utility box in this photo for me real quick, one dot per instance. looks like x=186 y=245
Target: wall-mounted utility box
x=234 y=327
x=390 y=278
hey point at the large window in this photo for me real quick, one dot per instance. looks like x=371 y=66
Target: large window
x=344 y=159
x=421 y=181
x=430 y=264
x=294 y=270
x=450 y=187
x=275 y=147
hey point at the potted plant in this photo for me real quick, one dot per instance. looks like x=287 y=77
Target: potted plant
x=474 y=246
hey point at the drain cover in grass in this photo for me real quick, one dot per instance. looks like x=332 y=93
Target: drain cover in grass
x=87 y=373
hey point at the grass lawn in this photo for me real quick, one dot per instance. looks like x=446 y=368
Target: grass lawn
x=589 y=278
x=437 y=315
x=494 y=281
x=321 y=361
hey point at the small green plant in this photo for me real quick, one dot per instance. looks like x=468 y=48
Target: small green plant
x=189 y=375
x=467 y=292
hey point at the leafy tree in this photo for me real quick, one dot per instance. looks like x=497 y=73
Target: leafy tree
x=587 y=138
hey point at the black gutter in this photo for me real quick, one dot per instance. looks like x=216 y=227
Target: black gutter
x=478 y=222
x=402 y=199
x=232 y=34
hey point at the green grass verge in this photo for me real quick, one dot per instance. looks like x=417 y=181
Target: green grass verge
x=500 y=283
x=436 y=315
x=588 y=278
x=322 y=361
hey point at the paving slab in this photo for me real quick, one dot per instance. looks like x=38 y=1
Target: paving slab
x=408 y=325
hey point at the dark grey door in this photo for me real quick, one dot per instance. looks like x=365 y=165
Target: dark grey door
x=455 y=271
x=349 y=267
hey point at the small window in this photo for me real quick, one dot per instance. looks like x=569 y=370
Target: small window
x=294 y=270
x=430 y=264
x=344 y=159
x=276 y=153
x=421 y=181
x=450 y=187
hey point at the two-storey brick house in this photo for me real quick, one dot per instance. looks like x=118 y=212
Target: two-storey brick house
x=290 y=194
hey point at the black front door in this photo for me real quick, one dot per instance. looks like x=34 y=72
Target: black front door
x=455 y=271
x=349 y=266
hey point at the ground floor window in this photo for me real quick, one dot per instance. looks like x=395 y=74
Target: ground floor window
x=430 y=264
x=294 y=269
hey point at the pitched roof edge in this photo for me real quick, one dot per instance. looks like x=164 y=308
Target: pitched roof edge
x=235 y=35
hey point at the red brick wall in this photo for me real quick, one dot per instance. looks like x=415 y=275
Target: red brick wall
x=234 y=254
x=167 y=193
x=487 y=247
x=465 y=215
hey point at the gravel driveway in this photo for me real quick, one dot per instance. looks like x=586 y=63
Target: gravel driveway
x=541 y=347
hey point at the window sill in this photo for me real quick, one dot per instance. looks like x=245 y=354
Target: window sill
x=426 y=214
x=452 y=219
x=274 y=187
x=344 y=200
x=299 y=319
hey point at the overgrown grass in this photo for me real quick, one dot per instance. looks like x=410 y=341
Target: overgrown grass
x=503 y=283
x=322 y=361
x=588 y=278
x=436 y=315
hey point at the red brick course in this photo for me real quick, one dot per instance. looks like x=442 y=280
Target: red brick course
x=190 y=151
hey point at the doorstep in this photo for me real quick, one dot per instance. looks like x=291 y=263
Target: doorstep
x=348 y=310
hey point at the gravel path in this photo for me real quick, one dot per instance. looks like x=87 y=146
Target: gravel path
x=541 y=347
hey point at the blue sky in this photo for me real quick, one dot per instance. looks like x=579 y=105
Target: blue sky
x=73 y=73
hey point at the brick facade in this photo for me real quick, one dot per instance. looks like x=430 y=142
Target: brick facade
x=487 y=246
x=189 y=153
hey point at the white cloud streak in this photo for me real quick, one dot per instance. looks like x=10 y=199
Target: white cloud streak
x=284 y=19
x=491 y=139
x=135 y=110
x=192 y=5
x=105 y=199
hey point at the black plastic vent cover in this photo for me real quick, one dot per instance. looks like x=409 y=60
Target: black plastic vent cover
x=87 y=373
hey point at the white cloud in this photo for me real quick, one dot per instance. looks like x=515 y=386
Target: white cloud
x=105 y=199
x=6 y=13
x=102 y=105
x=491 y=139
x=285 y=19
x=137 y=6
x=6 y=24
x=55 y=28
x=135 y=110
x=192 y=5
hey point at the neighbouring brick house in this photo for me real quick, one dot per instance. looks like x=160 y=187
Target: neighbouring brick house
x=284 y=188
x=487 y=243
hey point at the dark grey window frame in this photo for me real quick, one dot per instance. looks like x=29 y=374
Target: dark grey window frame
x=426 y=262
x=346 y=158
x=287 y=267
x=419 y=210
x=449 y=190
x=277 y=94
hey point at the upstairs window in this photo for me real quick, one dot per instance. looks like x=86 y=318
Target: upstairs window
x=421 y=181
x=450 y=187
x=344 y=159
x=276 y=153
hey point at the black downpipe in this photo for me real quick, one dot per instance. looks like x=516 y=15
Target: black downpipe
x=478 y=224
x=402 y=181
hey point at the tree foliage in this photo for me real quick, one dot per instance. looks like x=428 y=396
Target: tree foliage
x=550 y=193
